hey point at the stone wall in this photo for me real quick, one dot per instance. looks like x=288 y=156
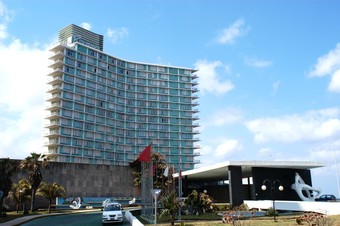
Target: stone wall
x=88 y=180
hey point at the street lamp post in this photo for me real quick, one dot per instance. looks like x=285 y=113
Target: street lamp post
x=278 y=185
x=155 y=193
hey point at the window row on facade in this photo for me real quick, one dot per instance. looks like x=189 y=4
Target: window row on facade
x=108 y=134
x=90 y=56
x=117 y=111
x=118 y=88
x=119 y=154
x=108 y=101
x=117 y=119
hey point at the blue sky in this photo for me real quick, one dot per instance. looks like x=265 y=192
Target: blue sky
x=269 y=71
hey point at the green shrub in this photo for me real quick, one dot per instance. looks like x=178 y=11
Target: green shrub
x=243 y=207
x=221 y=207
x=271 y=212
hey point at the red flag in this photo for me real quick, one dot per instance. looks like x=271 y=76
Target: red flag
x=144 y=156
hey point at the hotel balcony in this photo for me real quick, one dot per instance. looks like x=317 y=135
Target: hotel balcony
x=52 y=151
x=194 y=97
x=194 y=76
x=197 y=153
x=57 y=55
x=197 y=146
x=195 y=103
x=194 y=90
x=53 y=115
x=53 y=97
x=195 y=110
x=51 y=142
x=196 y=131
x=196 y=139
x=57 y=63
x=55 y=80
x=194 y=83
x=53 y=106
x=195 y=118
x=54 y=89
x=52 y=124
x=51 y=134
x=197 y=161
x=56 y=71
x=58 y=47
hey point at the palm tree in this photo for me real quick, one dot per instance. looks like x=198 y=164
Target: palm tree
x=7 y=169
x=33 y=164
x=51 y=192
x=20 y=193
x=170 y=205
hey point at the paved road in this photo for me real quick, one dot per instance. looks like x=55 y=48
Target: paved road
x=83 y=219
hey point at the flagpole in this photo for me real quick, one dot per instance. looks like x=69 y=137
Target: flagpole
x=179 y=173
x=337 y=172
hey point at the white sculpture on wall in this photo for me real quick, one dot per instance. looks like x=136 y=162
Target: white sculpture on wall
x=105 y=202
x=301 y=187
x=76 y=203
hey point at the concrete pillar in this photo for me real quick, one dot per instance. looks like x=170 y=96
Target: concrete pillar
x=235 y=185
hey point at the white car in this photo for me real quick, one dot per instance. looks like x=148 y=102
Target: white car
x=112 y=212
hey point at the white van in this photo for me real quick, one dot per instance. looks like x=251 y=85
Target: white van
x=112 y=212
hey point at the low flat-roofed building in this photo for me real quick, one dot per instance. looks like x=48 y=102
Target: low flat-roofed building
x=235 y=181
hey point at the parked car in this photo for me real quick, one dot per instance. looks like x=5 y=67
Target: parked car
x=326 y=198
x=112 y=212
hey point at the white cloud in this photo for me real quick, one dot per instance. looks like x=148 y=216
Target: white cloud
x=223 y=150
x=115 y=34
x=210 y=79
x=227 y=147
x=86 y=26
x=23 y=70
x=258 y=63
x=312 y=125
x=329 y=64
x=5 y=17
x=227 y=116
x=234 y=31
x=334 y=85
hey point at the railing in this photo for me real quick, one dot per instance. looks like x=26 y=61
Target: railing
x=197 y=153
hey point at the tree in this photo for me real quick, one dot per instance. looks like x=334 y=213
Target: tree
x=20 y=193
x=33 y=164
x=51 y=192
x=197 y=202
x=170 y=205
x=159 y=165
x=7 y=169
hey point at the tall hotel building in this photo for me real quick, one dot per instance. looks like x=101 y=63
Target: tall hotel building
x=105 y=110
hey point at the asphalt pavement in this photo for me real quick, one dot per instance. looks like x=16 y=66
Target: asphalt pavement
x=22 y=220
